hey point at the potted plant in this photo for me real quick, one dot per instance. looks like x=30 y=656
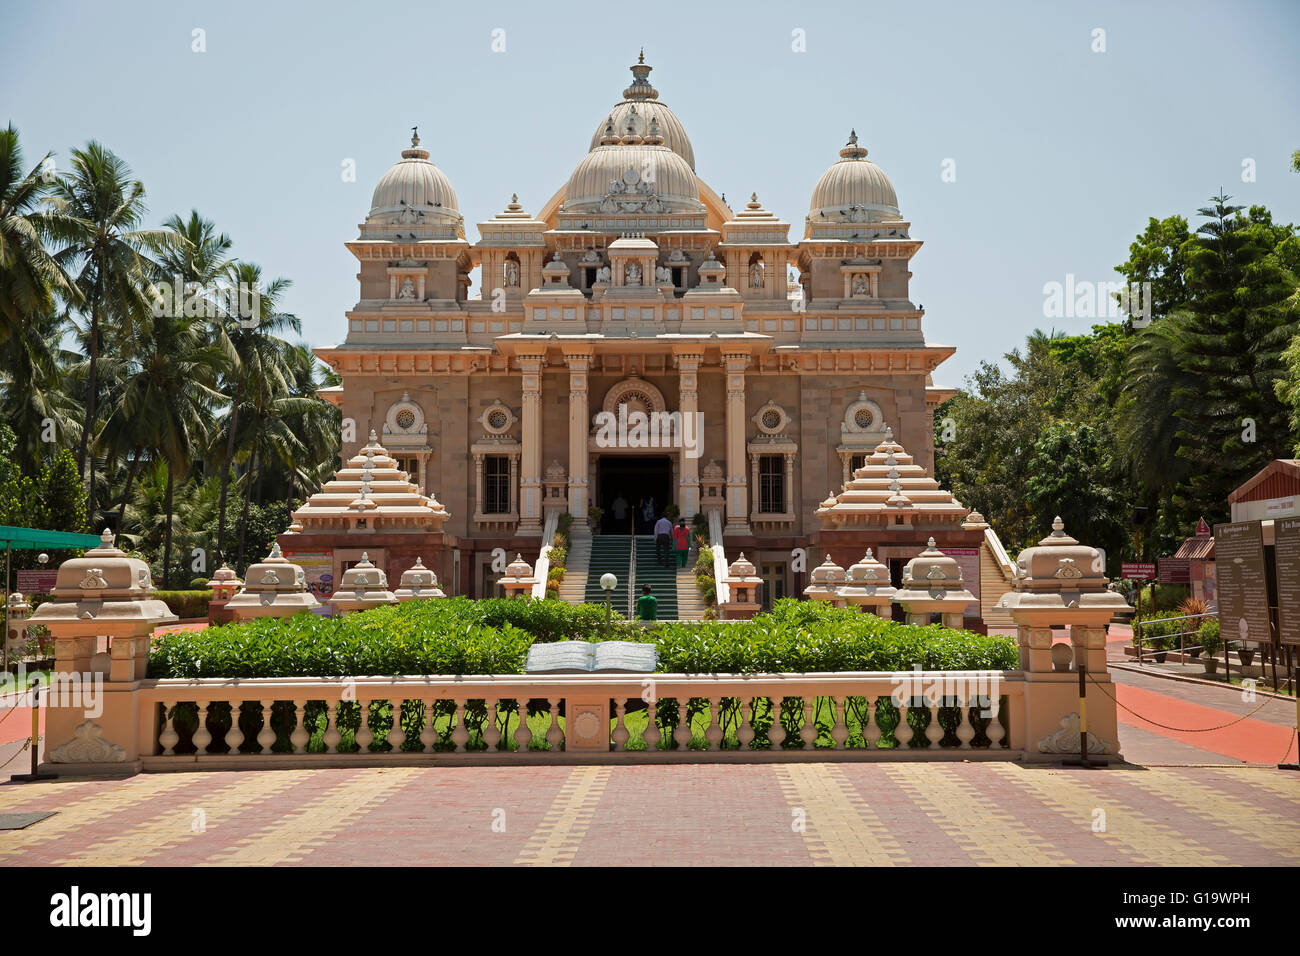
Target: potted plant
x=594 y=514
x=1210 y=641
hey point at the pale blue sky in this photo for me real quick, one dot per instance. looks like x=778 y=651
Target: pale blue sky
x=1061 y=152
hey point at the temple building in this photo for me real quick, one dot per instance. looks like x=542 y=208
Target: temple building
x=632 y=337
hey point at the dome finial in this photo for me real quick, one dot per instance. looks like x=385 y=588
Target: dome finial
x=641 y=57
x=415 y=136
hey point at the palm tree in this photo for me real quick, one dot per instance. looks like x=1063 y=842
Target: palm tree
x=162 y=402
x=256 y=369
x=30 y=276
x=104 y=207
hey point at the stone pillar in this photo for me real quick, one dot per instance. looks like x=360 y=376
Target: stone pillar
x=530 y=482
x=688 y=402
x=737 y=512
x=578 y=418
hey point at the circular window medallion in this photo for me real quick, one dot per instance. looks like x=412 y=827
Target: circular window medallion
x=863 y=418
x=772 y=419
x=405 y=418
x=497 y=418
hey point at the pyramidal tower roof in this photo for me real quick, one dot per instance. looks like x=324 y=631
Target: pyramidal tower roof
x=890 y=489
x=370 y=488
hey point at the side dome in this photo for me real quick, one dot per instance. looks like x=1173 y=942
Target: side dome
x=854 y=189
x=414 y=191
x=633 y=178
x=638 y=110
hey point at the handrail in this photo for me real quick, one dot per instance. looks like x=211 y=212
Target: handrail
x=1168 y=620
x=631 y=566
x=721 y=590
x=542 y=569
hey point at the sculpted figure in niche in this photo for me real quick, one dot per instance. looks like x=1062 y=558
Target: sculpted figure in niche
x=861 y=284
x=512 y=273
x=633 y=274
x=756 y=276
x=663 y=275
x=602 y=274
x=408 y=289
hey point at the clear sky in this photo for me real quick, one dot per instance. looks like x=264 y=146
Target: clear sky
x=1061 y=152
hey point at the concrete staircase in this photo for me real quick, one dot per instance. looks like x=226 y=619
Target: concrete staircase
x=690 y=602
x=574 y=586
x=609 y=552
x=662 y=581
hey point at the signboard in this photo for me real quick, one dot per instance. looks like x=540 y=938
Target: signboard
x=1286 y=553
x=1175 y=571
x=1202 y=529
x=1137 y=570
x=37 y=582
x=1242 y=582
x=968 y=559
x=318 y=567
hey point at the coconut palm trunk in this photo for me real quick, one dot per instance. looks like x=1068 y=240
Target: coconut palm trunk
x=248 y=494
x=167 y=532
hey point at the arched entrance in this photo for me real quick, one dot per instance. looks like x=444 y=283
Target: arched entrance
x=633 y=478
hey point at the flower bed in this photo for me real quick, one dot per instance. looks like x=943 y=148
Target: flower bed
x=467 y=637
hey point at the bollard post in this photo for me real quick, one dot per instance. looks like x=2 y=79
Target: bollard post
x=36 y=738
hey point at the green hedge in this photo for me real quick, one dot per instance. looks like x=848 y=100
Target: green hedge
x=461 y=636
x=186 y=603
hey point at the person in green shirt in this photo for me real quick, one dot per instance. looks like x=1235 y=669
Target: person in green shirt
x=647 y=605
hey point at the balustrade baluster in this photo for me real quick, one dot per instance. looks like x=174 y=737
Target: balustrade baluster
x=808 y=726
x=491 y=732
x=332 y=736
x=996 y=732
x=202 y=736
x=871 y=732
x=459 y=732
x=168 y=737
x=839 y=732
x=523 y=733
x=652 y=734
x=933 y=730
x=396 y=735
x=965 y=730
x=554 y=735
x=365 y=734
x=266 y=736
x=903 y=730
x=683 y=732
x=299 y=737
x=713 y=733
x=234 y=736
x=429 y=732
x=621 y=733
x=745 y=732
x=776 y=733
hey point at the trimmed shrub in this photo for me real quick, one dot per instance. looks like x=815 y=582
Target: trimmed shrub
x=1209 y=638
x=186 y=603
x=461 y=636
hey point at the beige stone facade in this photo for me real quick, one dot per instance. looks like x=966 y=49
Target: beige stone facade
x=634 y=289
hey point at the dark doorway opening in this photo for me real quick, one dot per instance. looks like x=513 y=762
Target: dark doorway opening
x=634 y=478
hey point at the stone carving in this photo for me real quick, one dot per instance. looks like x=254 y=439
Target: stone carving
x=756 y=276
x=89 y=746
x=663 y=275
x=512 y=273
x=632 y=194
x=861 y=284
x=602 y=274
x=408 y=289
x=270 y=577
x=633 y=274
x=591 y=255
x=1068 y=569
x=1066 y=740
x=586 y=725
x=94 y=580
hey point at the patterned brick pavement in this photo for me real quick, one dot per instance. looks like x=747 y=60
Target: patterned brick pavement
x=982 y=814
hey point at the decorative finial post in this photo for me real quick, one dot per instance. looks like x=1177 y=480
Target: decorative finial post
x=930 y=544
x=415 y=136
x=641 y=57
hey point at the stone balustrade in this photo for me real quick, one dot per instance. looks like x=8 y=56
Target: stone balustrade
x=317 y=721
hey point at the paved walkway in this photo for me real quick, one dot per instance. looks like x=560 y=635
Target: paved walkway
x=867 y=814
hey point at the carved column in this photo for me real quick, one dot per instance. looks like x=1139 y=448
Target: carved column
x=737 y=516
x=688 y=401
x=530 y=482
x=578 y=364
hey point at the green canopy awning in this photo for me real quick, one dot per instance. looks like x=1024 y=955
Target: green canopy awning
x=32 y=539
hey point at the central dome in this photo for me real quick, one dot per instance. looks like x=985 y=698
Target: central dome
x=632 y=178
x=638 y=109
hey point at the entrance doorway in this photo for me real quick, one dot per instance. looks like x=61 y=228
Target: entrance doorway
x=634 y=478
